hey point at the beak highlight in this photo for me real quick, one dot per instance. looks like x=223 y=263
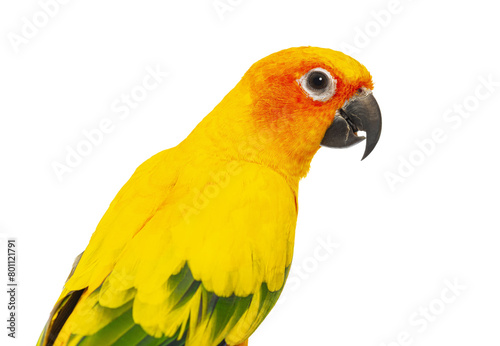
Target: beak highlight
x=360 y=113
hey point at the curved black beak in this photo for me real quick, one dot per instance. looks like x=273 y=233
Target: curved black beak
x=360 y=113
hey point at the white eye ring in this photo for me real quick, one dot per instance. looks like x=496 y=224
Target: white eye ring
x=319 y=84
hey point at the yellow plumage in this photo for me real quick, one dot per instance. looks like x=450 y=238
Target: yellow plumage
x=216 y=213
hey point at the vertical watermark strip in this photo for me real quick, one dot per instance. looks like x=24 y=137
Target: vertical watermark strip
x=12 y=291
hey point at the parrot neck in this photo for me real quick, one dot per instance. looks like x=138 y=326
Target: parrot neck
x=230 y=132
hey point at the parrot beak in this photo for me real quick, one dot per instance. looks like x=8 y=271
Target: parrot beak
x=360 y=113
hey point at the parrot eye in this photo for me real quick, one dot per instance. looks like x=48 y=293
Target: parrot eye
x=317 y=80
x=318 y=84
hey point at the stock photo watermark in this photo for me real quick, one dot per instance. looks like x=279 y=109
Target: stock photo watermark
x=453 y=118
x=32 y=25
x=428 y=313
x=380 y=20
x=326 y=248
x=201 y=199
x=121 y=107
x=224 y=7
x=9 y=244
x=249 y=150
x=12 y=288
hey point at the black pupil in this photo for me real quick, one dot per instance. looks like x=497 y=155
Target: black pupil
x=318 y=80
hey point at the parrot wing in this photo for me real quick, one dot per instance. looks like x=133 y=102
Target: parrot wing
x=61 y=311
x=181 y=260
x=215 y=316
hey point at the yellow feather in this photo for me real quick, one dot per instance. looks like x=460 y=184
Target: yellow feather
x=223 y=202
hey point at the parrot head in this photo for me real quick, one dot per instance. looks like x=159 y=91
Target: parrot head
x=292 y=102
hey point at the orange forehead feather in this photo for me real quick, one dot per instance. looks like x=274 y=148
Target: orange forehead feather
x=281 y=69
x=277 y=93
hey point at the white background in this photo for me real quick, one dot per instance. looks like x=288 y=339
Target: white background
x=396 y=244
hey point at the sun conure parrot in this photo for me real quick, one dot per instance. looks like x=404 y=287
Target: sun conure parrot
x=196 y=247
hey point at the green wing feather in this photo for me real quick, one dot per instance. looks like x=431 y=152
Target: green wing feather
x=215 y=315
